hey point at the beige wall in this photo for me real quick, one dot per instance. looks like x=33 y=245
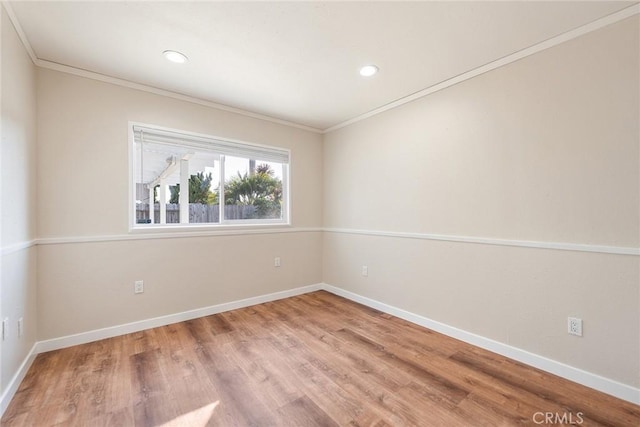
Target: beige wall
x=544 y=149
x=83 y=287
x=83 y=152
x=83 y=193
x=17 y=201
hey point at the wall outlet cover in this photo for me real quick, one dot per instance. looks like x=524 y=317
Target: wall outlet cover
x=574 y=326
x=138 y=287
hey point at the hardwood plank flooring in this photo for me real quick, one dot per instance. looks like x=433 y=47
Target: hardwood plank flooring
x=311 y=360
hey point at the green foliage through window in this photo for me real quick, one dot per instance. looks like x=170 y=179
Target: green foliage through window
x=219 y=181
x=199 y=190
x=260 y=189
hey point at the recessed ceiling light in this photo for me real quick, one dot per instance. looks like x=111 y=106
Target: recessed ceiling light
x=174 y=56
x=368 y=70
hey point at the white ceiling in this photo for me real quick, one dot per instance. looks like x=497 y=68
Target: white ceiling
x=295 y=61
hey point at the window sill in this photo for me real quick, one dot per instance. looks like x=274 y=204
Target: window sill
x=208 y=229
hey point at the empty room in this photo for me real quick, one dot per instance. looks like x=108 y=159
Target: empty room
x=322 y=213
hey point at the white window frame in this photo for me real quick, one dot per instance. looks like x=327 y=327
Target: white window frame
x=224 y=223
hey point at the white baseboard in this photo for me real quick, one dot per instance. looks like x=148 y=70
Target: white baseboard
x=597 y=382
x=579 y=376
x=114 y=331
x=13 y=385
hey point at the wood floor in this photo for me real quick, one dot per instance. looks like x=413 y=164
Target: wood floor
x=311 y=360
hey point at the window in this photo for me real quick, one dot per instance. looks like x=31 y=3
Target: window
x=181 y=179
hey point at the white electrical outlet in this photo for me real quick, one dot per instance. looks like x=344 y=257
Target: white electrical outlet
x=138 y=287
x=276 y=261
x=365 y=270
x=574 y=326
x=5 y=328
x=20 y=327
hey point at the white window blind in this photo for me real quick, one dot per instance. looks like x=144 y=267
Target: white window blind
x=143 y=135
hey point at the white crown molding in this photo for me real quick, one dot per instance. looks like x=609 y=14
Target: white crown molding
x=554 y=41
x=578 y=247
x=169 y=94
x=21 y=35
x=605 y=385
x=139 y=86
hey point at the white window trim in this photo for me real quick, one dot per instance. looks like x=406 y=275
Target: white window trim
x=238 y=224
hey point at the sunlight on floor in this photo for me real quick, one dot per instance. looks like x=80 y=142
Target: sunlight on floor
x=197 y=418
